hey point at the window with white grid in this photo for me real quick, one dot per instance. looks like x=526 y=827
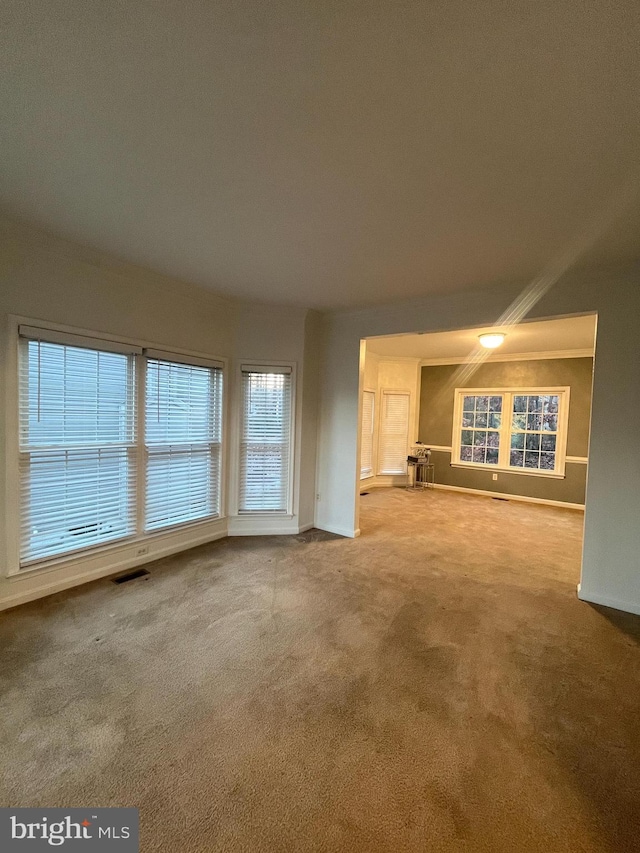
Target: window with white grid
x=520 y=429
x=77 y=446
x=534 y=431
x=481 y=427
x=366 y=441
x=265 y=439
x=183 y=434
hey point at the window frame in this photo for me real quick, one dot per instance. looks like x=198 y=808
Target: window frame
x=59 y=333
x=372 y=472
x=150 y=450
x=507 y=394
x=380 y=472
x=236 y=437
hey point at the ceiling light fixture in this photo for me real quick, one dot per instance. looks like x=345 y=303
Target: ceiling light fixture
x=491 y=341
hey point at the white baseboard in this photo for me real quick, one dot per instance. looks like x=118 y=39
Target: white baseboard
x=607 y=601
x=261 y=525
x=349 y=533
x=509 y=497
x=38 y=583
x=384 y=481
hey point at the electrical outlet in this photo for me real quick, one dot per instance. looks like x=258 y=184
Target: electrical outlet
x=144 y=549
x=318 y=496
x=495 y=476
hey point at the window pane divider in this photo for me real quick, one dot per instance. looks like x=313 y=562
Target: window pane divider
x=506 y=429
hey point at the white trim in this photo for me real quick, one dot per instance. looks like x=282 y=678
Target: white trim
x=51 y=336
x=373 y=432
x=266 y=367
x=523 y=356
x=16 y=320
x=180 y=358
x=399 y=392
x=261 y=524
x=507 y=393
x=349 y=533
x=28 y=586
x=12 y=568
x=607 y=601
x=289 y=368
x=527 y=472
x=437 y=448
x=510 y=497
x=384 y=481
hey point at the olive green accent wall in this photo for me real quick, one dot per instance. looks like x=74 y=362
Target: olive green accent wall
x=436 y=423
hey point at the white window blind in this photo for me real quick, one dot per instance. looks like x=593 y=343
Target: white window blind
x=183 y=430
x=265 y=440
x=366 y=440
x=393 y=441
x=77 y=446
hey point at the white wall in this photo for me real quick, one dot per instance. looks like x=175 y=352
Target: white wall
x=611 y=562
x=55 y=281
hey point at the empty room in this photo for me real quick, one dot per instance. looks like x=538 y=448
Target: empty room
x=319 y=364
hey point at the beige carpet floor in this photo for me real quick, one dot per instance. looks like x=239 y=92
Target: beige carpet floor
x=432 y=686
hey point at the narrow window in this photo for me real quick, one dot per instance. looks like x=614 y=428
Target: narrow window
x=183 y=431
x=393 y=443
x=366 y=443
x=265 y=439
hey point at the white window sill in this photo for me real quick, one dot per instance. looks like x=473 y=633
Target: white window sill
x=528 y=472
x=115 y=547
x=262 y=513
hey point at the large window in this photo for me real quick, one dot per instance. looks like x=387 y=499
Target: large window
x=519 y=430
x=265 y=439
x=367 y=432
x=393 y=442
x=95 y=467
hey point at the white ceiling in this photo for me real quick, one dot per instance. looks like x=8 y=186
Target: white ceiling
x=545 y=336
x=327 y=154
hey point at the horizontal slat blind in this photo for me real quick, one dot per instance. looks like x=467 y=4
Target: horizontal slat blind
x=366 y=444
x=265 y=440
x=394 y=433
x=183 y=431
x=77 y=434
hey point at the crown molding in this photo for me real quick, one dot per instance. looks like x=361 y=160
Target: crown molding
x=522 y=356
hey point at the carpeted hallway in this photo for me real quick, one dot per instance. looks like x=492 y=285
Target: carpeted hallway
x=432 y=686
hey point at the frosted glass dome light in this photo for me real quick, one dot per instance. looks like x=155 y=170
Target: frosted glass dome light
x=491 y=341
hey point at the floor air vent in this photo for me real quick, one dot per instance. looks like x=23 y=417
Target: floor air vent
x=500 y=499
x=131 y=576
